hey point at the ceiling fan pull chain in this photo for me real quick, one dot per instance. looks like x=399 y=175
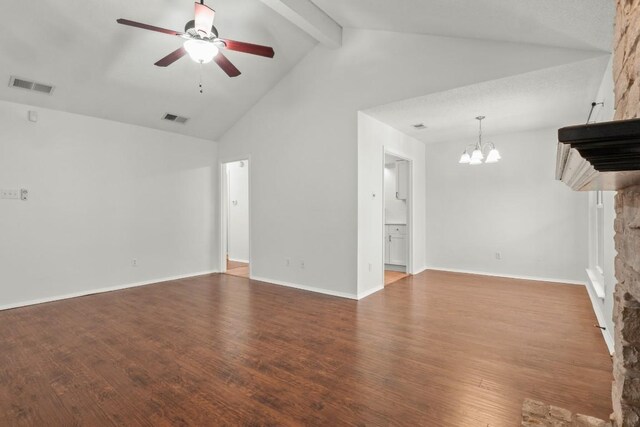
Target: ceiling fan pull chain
x=200 y=85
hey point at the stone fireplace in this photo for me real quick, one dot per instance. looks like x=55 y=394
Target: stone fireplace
x=626 y=313
x=626 y=359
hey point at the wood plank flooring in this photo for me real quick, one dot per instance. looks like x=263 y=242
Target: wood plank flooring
x=391 y=276
x=235 y=264
x=436 y=349
x=240 y=269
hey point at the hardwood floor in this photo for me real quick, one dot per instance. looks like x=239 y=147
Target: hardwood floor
x=235 y=264
x=240 y=269
x=436 y=349
x=391 y=276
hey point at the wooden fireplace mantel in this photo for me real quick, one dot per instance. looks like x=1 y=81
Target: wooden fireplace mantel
x=599 y=156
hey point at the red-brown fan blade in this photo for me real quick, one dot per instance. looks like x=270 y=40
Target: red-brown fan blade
x=172 y=57
x=204 y=19
x=226 y=65
x=148 y=27
x=254 y=49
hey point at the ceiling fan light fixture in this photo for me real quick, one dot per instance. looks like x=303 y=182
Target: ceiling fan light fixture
x=201 y=51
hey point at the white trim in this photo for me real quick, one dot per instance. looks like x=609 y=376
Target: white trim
x=598 y=287
x=101 y=290
x=420 y=270
x=510 y=276
x=305 y=288
x=223 y=205
x=410 y=204
x=223 y=197
x=394 y=267
x=365 y=294
x=597 y=309
x=245 y=261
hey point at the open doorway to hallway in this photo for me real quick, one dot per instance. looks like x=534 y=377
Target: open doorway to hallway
x=397 y=202
x=235 y=218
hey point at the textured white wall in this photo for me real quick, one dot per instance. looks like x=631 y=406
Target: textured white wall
x=514 y=207
x=101 y=194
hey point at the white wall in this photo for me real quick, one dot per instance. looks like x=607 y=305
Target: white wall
x=302 y=139
x=395 y=210
x=238 y=220
x=101 y=194
x=375 y=137
x=514 y=207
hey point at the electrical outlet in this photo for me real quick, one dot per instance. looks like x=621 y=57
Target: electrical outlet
x=134 y=262
x=24 y=194
x=287 y=262
x=10 y=194
x=498 y=255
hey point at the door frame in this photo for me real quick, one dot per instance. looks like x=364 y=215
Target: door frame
x=223 y=209
x=409 y=267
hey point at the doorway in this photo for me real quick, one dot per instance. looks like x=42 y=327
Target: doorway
x=396 y=217
x=235 y=215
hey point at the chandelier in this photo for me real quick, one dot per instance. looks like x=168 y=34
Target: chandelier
x=477 y=150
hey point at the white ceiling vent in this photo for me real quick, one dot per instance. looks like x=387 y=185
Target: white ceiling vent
x=29 y=85
x=175 y=118
x=419 y=126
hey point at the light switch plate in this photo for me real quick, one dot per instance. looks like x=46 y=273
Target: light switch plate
x=10 y=194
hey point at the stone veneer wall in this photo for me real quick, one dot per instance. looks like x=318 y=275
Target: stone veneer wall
x=626 y=360
x=626 y=313
x=537 y=414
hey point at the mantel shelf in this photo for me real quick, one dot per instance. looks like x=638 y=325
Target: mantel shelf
x=599 y=156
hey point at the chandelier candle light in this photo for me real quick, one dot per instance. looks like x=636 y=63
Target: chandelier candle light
x=477 y=153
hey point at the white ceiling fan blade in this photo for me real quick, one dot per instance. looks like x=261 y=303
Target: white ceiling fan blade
x=204 y=19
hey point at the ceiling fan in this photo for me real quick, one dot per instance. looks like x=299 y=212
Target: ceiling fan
x=202 y=42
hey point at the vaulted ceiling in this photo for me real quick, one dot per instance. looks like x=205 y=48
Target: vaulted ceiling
x=103 y=69
x=548 y=97
x=576 y=24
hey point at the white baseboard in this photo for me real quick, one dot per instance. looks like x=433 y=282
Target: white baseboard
x=420 y=270
x=246 y=261
x=597 y=309
x=510 y=276
x=595 y=284
x=365 y=294
x=305 y=288
x=100 y=290
x=393 y=267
